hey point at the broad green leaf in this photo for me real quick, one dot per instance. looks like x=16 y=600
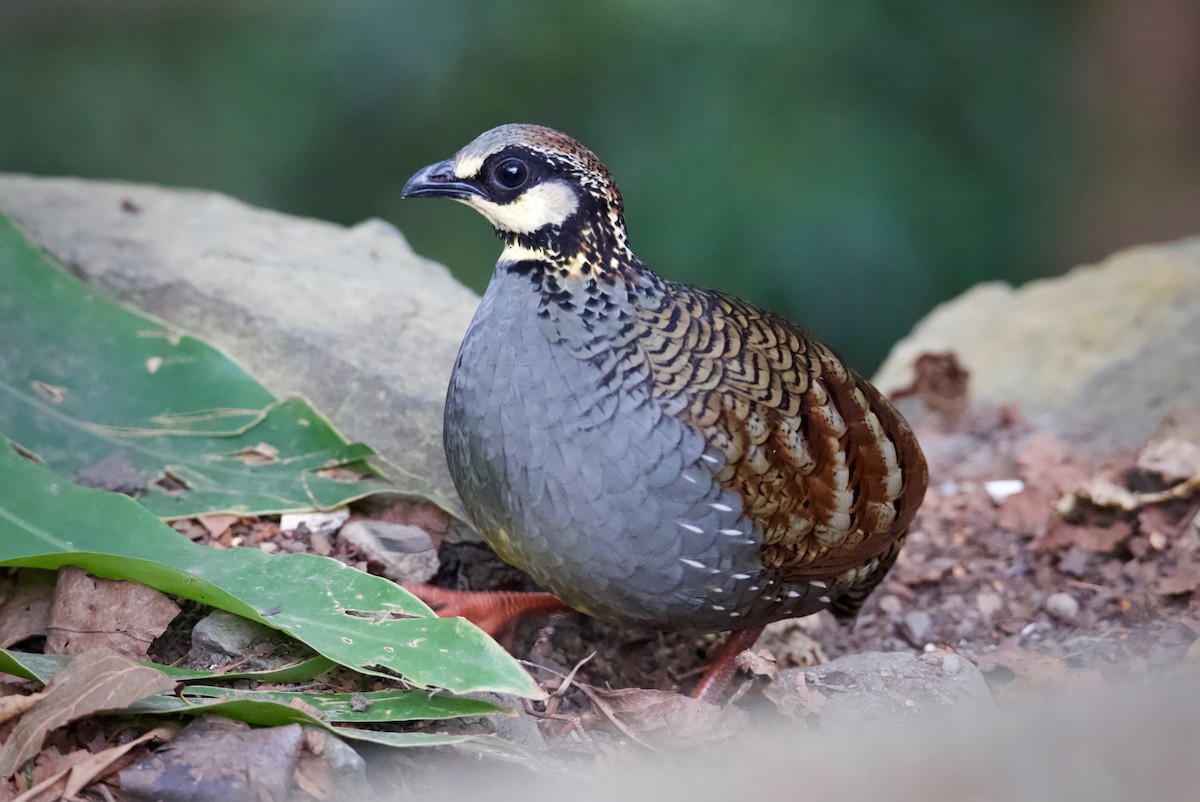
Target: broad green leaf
x=41 y=667
x=358 y=620
x=84 y=379
x=104 y=682
x=381 y=706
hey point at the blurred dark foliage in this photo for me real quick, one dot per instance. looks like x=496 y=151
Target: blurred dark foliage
x=848 y=164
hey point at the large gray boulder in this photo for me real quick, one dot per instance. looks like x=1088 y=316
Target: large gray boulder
x=1103 y=353
x=350 y=318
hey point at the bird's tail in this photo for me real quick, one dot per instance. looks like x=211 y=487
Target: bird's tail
x=845 y=608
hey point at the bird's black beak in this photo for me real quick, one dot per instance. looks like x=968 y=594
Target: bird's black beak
x=438 y=181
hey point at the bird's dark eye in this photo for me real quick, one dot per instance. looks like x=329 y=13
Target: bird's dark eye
x=511 y=174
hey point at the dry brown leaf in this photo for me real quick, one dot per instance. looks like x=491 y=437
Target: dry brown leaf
x=1103 y=538
x=217 y=525
x=761 y=663
x=1104 y=492
x=53 y=759
x=1184 y=579
x=1075 y=561
x=663 y=719
x=1038 y=670
x=794 y=695
x=86 y=768
x=1171 y=458
x=27 y=613
x=91 y=613
x=791 y=645
x=1027 y=511
x=1049 y=470
x=91 y=682
x=17 y=704
x=941 y=382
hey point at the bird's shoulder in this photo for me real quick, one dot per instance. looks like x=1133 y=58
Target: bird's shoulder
x=704 y=344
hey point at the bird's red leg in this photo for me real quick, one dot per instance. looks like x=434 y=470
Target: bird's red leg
x=493 y=611
x=714 y=685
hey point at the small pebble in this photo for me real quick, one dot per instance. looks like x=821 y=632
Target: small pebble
x=951 y=664
x=1062 y=606
x=327 y=522
x=890 y=604
x=988 y=603
x=1000 y=489
x=917 y=626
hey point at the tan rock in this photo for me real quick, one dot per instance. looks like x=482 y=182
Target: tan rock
x=350 y=318
x=1107 y=350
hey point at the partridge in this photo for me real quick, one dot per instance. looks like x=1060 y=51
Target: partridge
x=652 y=453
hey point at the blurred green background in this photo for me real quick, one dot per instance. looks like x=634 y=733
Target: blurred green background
x=848 y=164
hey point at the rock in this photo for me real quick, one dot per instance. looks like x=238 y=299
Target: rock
x=214 y=758
x=1062 y=606
x=918 y=627
x=350 y=318
x=860 y=689
x=339 y=755
x=405 y=552
x=519 y=728
x=1107 y=350
x=222 y=638
x=332 y=765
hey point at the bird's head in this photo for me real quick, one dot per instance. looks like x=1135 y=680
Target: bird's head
x=541 y=190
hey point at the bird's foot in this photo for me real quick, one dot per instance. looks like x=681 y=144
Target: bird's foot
x=494 y=611
x=714 y=685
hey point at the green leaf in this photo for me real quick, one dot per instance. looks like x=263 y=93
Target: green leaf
x=381 y=706
x=89 y=683
x=90 y=380
x=41 y=667
x=358 y=620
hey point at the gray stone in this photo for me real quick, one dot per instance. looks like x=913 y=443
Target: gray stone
x=1105 y=351
x=222 y=638
x=1062 y=606
x=860 y=689
x=218 y=760
x=341 y=762
x=918 y=626
x=518 y=727
x=350 y=318
x=405 y=552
